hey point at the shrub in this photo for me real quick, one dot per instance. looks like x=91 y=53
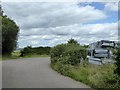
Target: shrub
x=117 y=70
x=57 y=52
x=70 y=53
x=26 y=51
x=73 y=56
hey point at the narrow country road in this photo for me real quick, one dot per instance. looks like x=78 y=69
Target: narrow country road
x=34 y=73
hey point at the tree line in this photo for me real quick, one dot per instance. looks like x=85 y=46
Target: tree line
x=29 y=50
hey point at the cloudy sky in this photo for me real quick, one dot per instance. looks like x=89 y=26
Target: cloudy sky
x=52 y=23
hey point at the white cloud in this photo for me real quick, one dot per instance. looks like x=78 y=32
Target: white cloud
x=84 y=34
x=44 y=15
x=34 y=42
x=111 y=6
x=43 y=24
x=60 y=0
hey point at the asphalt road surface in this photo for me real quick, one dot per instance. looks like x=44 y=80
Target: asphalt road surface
x=34 y=73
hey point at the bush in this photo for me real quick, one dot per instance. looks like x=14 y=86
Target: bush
x=26 y=51
x=73 y=56
x=57 y=52
x=117 y=70
x=68 y=54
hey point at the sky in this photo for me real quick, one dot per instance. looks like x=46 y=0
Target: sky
x=52 y=23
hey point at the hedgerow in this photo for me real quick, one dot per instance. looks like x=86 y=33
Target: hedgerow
x=35 y=51
x=70 y=53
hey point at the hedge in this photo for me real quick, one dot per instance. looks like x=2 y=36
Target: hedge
x=68 y=54
x=36 y=50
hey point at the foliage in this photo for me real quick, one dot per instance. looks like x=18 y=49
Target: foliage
x=26 y=51
x=1 y=12
x=35 y=51
x=70 y=53
x=72 y=41
x=56 y=52
x=99 y=77
x=9 y=35
x=0 y=35
x=65 y=59
x=117 y=70
x=63 y=69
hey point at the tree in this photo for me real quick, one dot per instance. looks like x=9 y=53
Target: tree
x=1 y=13
x=26 y=51
x=9 y=35
x=72 y=41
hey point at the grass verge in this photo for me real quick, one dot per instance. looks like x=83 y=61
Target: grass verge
x=0 y=58
x=99 y=77
x=16 y=55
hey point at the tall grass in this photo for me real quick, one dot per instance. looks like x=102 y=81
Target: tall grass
x=0 y=57
x=92 y=75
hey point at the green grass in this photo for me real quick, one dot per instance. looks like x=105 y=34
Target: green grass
x=36 y=56
x=16 y=55
x=0 y=58
x=29 y=56
x=95 y=76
